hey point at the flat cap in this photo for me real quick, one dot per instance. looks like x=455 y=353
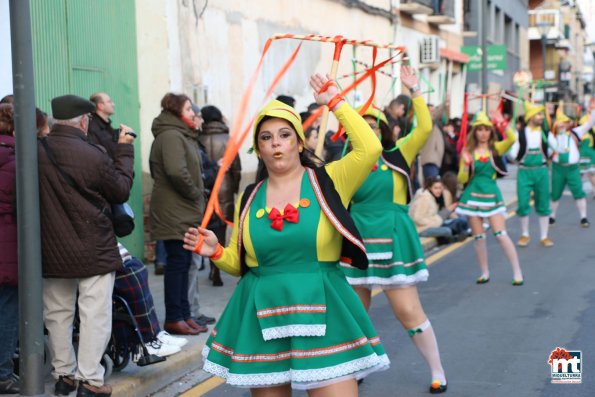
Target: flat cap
x=67 y=107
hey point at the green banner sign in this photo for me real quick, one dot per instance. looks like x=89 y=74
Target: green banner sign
x=496 y=57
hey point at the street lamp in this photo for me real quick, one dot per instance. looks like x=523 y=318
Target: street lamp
x=543 y=28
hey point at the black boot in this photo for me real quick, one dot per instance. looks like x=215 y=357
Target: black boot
x=10 y=385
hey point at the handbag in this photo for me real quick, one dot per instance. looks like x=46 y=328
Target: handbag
x=122 y=219
x=121 y=215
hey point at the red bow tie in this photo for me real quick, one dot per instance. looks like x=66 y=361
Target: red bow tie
x=290 y=214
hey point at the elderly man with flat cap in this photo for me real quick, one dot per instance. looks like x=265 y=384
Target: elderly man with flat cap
x=77 y=181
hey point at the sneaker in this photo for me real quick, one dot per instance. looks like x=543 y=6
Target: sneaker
x=166 y=338
x=204 y=320
x=585 y=222
x=161 y=349
x=546 y=242
x=552 y=220
x=523 y=241
x=10 y=385
x=64 y=386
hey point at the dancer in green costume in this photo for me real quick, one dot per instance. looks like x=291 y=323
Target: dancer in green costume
x=587 y=152
x=530 y=151
x=293 y=320
x=380 y=211
x=480 y=163
x=564 y=142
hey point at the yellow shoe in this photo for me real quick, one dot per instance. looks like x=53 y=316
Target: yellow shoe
x=546 y=242
x=523 y=241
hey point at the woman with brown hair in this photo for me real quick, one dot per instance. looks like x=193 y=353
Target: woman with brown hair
x=479 y=166
x=177 y=202
x=293 y=320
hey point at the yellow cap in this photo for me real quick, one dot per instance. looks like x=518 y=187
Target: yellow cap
x=561 y=118
x=531 y=110
x=482 y=119
x=375 y=112
x=283 y=111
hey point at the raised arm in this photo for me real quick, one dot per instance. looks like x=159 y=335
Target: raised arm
x=503 y=146
x=352 y=170
x=585 y=127
x=411 y=145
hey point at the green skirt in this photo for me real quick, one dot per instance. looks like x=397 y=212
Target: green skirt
x=395 y=254
x=336 y=342
x=482 y=198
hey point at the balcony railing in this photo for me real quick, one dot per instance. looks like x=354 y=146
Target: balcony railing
x=416 y=7
x=445 y=15
x=439 y=12
x=547 y=20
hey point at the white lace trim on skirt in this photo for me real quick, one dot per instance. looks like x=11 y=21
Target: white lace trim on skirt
x=294 y=330
x=394 y=281
x=301 y=379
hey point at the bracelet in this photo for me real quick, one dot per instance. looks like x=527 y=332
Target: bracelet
x=334 y=101
x=414 y=89
x=218 y=252
x=326 y=86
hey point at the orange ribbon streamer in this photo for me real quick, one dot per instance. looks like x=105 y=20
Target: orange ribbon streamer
x=237 y=138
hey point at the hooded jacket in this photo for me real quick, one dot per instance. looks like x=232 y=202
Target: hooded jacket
x=178 y=197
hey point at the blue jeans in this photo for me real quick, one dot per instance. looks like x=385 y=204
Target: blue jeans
x=9 y=328
x=175 y=281
x=160 y=253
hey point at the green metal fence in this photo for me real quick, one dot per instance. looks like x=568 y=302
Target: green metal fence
x=84 y=46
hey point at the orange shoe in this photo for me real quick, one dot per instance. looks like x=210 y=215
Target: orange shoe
x=523 y=241
x=546 y=242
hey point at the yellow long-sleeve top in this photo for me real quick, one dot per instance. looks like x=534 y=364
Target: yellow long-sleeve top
x=347 y=174
x=411 y=146
x=501 y=148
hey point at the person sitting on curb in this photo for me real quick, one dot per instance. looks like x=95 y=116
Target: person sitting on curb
x=432 y=210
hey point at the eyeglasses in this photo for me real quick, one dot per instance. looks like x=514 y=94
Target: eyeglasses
x=373 y=126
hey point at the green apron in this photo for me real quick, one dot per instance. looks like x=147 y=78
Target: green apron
x=482 y=197
x=394 y=251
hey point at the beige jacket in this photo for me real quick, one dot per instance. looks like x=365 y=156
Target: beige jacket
x=433 y=150
x=423 y=209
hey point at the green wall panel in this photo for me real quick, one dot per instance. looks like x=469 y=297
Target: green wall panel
x=84 y=46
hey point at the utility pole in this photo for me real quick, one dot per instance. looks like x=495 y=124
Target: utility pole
x=31 y=338
x=483 y=31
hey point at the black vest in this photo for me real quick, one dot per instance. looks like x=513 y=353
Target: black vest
x=352 y=251
x=523 y=145
x=395 y=161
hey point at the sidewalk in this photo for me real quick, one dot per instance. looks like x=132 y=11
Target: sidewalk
x=136 y=381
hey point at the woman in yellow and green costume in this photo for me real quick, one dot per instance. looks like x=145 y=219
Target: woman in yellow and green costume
x=587 y=152
x=293 y=320
x=380 y=211
x=481 y=198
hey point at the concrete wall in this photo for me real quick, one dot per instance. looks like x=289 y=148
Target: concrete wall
x=210 y=54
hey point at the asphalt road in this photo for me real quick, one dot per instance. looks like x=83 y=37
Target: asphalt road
x=495 y=339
